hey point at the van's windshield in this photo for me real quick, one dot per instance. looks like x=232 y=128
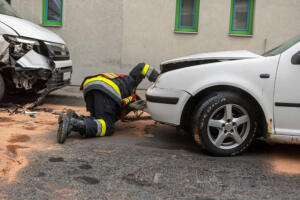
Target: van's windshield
x=283 y=47
x=6 y=9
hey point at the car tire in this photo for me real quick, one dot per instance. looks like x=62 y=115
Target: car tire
x=2 y=87
x=224 y=124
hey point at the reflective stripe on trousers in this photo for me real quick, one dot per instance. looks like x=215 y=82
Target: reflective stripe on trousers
x=101 y=130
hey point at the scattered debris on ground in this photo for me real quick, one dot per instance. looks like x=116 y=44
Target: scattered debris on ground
x=24 y=130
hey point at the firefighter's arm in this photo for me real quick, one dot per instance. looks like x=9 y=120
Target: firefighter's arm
x=134 y=102
x=142 y=70
x=150 y=73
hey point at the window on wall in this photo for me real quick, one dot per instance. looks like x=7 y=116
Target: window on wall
x=187 y=15
x=52 y=12
x=241 y=18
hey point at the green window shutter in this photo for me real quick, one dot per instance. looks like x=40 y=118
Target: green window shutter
x=187 y=16
x=52 y=12
x=241 y=17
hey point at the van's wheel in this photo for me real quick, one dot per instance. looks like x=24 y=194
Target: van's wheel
x=2 y=87
x=224 y=124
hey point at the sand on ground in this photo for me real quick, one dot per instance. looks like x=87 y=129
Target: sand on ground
x=22 y=134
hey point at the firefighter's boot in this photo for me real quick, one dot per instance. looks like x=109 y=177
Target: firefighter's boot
x=72 y=114
x=67 y=124
x=78 y=125
x=64 y=128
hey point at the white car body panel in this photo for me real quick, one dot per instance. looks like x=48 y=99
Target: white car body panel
x=277 y=91
x=223 y=55
x=287 y=90
x=243 y=74
x=5 y=29
x=170 y=112
x=63 y=63
x=28 y=29
x=34 y=60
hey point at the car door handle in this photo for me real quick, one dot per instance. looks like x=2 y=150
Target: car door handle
x=264 y=76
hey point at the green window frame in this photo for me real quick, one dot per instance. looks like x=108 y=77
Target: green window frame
x=249 y=29
x=194 y=27
x=51 y=22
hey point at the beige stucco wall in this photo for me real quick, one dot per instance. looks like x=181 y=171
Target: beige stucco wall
x=152 y=36
x=114 y=35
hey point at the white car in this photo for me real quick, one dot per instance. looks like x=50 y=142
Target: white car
x=226 y=99
x=32 y=58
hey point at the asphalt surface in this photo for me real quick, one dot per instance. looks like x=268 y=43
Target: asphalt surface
x=159 y=164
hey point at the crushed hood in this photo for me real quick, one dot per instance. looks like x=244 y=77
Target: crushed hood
x=205 y=58
x=28 y=29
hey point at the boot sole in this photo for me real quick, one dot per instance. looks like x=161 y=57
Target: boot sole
x=62 y=132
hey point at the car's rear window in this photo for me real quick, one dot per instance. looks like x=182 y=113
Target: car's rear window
x=283 y=47
x=6 y=9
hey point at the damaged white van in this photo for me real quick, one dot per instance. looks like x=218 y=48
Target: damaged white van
x=32 y=58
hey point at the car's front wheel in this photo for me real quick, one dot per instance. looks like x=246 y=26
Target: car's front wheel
x=224 y=124
x=2 y=87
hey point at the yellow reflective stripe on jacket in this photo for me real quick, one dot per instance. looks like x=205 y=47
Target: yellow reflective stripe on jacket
x=111 y=75
x=103 y=125
x=145 y=70
x=127 y=100
x=105 y=80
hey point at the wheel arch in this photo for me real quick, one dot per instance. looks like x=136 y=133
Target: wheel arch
x=205 y=93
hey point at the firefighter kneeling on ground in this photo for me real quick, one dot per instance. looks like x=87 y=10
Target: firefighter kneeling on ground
x=107 y=97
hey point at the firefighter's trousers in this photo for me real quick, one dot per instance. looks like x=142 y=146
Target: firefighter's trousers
x=104 y=113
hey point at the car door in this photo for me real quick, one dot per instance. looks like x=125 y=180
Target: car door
x=287 y=93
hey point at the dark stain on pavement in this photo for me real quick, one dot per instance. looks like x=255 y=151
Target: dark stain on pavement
x=6 y=119
x=56 y=159
x=85 y=167
x=30 y=128
x=13 y=148
x=19 y=138
x=87 y=180
x=41 y=174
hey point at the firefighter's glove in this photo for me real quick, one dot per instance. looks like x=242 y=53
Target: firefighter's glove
x=138 y=105
x=153 y=75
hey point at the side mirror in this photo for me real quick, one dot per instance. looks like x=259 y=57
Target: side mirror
x=296 y=59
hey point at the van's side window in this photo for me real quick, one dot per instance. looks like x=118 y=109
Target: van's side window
x=52 y=12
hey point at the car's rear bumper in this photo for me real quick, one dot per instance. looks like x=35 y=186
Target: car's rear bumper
x=166 y=105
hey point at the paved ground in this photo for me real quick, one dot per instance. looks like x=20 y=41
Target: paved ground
x=144 y=160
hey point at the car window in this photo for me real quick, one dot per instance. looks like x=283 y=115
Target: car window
x=283 y=47
x=6 y=9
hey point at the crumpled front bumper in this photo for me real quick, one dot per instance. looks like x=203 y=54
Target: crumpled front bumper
x=61 y=75
x=60 y=71
x=49 y=67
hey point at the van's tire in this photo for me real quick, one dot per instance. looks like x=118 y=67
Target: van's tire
x=2 y=87
x=224 y=124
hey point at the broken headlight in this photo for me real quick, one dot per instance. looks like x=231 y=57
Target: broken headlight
x=19 y=46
